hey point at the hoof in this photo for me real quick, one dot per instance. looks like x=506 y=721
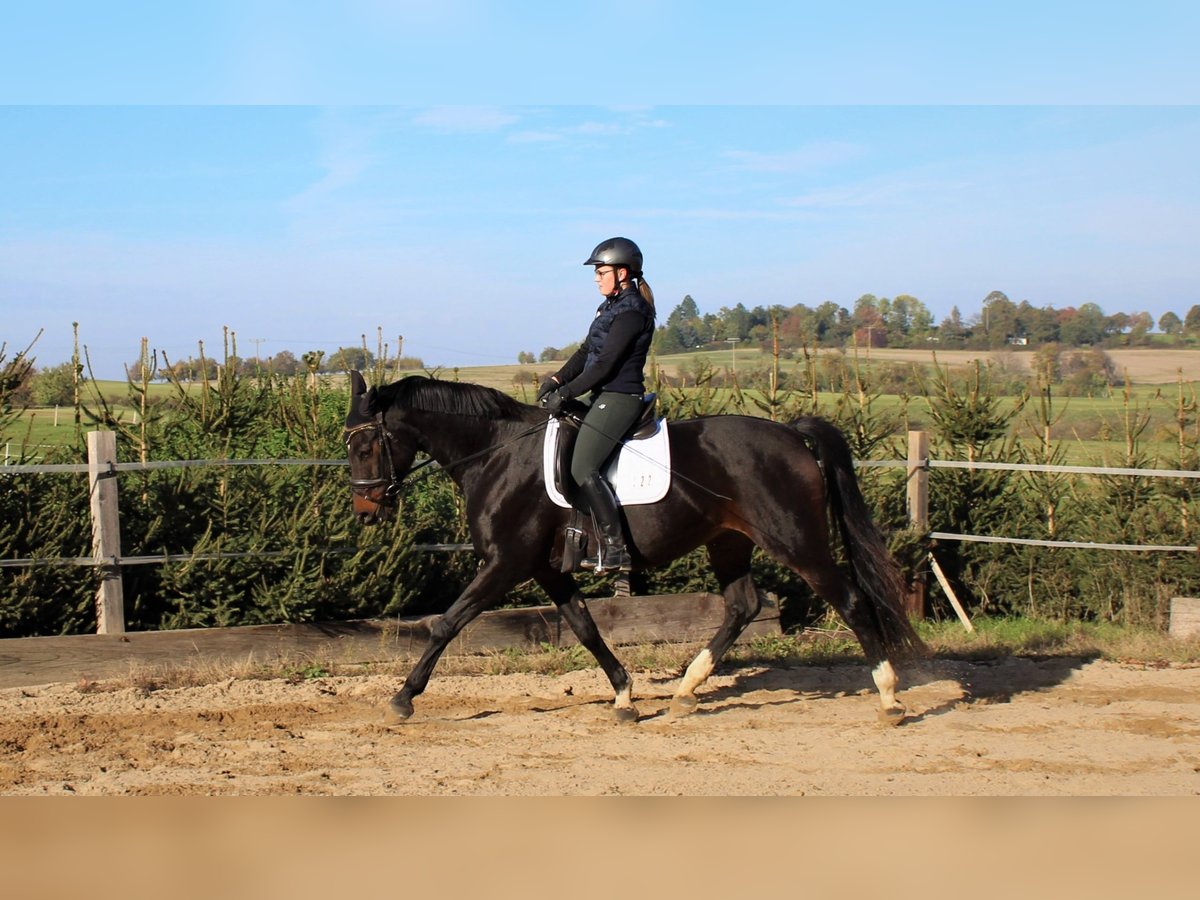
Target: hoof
x=627 y=714
x=683 y=706
x=399 y=709
x=893 y=716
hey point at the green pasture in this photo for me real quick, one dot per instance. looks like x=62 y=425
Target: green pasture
x=38 y=429
x=1088 y=430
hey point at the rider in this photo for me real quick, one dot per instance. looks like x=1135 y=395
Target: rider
x=608 y=366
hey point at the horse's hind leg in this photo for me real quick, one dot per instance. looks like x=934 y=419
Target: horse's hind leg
x=562 y=590
x=730 y=557
x=833 y=587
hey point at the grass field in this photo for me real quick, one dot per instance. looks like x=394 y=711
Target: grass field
x=1142 y=368
x=1091 y=429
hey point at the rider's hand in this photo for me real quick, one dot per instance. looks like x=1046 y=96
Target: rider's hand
x=548 y=384
x=553 y=402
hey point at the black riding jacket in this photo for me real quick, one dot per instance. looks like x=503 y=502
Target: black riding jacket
x=613 y=355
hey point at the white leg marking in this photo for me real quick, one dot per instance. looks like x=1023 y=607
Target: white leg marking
x=697 y=673
x=885 y=681
x=624 y=698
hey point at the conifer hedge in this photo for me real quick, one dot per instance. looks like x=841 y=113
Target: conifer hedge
x=307 y=560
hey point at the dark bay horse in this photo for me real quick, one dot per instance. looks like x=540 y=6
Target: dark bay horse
x=737 y=482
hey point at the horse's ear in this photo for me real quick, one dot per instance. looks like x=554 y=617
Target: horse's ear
x=368 y=403
x=363 y=400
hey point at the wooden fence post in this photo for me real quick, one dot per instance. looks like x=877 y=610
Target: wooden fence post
x=106 y=531
x=1185 y=617
x=918 y=511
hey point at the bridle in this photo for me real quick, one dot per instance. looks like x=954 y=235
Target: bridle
x=389 y=479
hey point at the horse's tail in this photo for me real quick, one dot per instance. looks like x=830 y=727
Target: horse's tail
x=873 y=568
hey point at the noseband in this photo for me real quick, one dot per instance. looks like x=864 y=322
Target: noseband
x=389 y=479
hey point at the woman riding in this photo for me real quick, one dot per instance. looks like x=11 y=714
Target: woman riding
x=608 y=367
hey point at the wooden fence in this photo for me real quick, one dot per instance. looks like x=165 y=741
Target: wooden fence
x=102 y=467
x=678 y=618
x=112 y=652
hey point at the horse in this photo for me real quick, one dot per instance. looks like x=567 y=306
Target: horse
x=737 y=482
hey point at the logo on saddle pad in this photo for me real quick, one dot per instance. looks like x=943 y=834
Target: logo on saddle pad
x=639 y=473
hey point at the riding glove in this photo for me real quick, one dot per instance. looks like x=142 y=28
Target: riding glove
x=548 y=384
x=553 y=401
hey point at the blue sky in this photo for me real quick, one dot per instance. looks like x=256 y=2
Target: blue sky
x=442 y=174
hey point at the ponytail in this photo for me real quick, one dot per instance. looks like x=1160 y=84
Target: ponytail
x=644 y=290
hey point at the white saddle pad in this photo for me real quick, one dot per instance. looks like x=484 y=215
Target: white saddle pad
x=639 y=473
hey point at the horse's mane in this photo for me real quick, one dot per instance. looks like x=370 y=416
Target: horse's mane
x=458 y=398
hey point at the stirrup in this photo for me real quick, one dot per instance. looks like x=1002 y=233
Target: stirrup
x=597 y=564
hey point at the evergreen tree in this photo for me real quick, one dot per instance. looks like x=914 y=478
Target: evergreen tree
x=1191 y=322
x=683 y=328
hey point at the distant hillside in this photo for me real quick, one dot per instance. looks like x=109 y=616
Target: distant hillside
x=1148 y=366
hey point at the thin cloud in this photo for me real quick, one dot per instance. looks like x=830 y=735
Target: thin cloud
x=630 y=121
x=536 y=137
x=345 y=154
x=587 y=130
x=465 y=119
x=837 y=198
x=604 y=129
x=635 y=214
x=820 y=155
x=888 y=193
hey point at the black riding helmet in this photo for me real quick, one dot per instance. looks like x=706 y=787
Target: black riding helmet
x=616 y=252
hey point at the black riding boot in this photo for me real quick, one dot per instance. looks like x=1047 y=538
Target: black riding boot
x=612 y=554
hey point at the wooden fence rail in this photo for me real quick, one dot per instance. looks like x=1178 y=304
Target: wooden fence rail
x=677 y=618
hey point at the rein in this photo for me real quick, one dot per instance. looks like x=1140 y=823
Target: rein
x=392 y=479
x=484 y=452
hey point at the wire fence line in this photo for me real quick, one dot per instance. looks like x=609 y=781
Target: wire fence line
x=112 y=468
x=114 y=561
x=1025 y=467
x=1079 y=545
x=862 y=464
x=1066 y=470
x=164 y=464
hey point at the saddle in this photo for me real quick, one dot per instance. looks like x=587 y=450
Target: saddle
x=639 y=473
x=568 y=433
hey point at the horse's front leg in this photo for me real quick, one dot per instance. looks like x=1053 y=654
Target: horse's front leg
x=485 y=589
x=562 y=590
